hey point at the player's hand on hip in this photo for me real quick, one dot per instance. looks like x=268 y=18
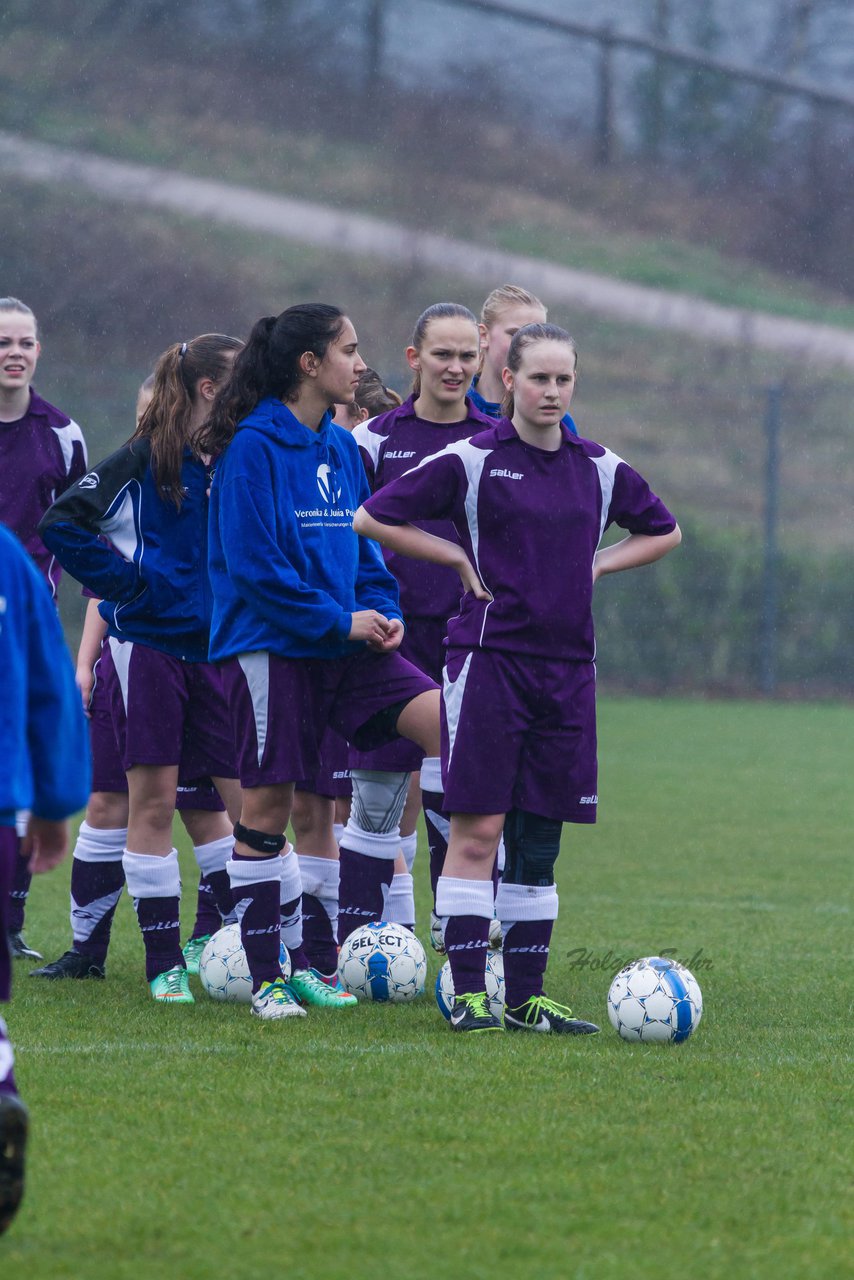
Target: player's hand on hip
x=471 y=582
x=45 y=844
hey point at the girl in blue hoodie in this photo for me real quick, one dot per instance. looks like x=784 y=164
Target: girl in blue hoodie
x=306 y=621
x=133 y=530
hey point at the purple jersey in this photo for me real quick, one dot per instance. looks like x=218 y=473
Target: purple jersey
x=530 y=521
x=40 y=456
x=390 y=445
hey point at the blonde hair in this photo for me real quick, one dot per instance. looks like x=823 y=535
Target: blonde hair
x=15 y=304
x=505 y=297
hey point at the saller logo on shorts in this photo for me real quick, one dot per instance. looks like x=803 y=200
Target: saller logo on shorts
x=589 y=800
x=326 y=484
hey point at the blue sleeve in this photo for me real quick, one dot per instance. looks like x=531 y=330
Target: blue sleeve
x=84 y=555
x=57 y=735
x=248 y=517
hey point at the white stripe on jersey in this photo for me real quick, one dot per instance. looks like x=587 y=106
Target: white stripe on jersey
x=256 y=669
x=120 y=523
x=369 y=440
x=68 y=436
x=121 y=651
x=606 y=467
x=452 y=696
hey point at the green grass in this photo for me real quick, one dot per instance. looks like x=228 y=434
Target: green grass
x=196 y=1142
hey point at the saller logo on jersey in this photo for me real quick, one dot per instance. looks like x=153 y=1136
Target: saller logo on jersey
x=508 y=475
x=89 y=481
x=400 y=453
x=589 y=800
x=326 y=484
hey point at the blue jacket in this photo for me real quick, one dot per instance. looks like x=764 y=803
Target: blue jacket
x=44 y=743
x=150 y=572
x=286 y=568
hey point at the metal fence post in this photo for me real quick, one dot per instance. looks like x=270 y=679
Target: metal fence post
x=770 y=584
x=605 y=108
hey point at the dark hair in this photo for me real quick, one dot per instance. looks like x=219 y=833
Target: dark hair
x=166 y=421
x=526 y=337
x=373 y=395
x=439 y=311
x=269 y=366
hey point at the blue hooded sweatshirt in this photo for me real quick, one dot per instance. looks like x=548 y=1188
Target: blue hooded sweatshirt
x=287 y=570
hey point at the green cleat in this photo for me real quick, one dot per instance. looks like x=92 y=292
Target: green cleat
x=192 y=952
x=471 y=1012
x=309 y=987
x=544 y=1015
x=172 y=987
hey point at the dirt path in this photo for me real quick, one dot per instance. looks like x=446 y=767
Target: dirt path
x=358 y=234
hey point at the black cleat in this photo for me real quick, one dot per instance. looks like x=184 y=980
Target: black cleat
x=544 y=1015
x=471 y=1012
x=70 y=965
x=14 y=1122
x=19 y=948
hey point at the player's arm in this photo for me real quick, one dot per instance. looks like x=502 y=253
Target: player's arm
x=100 y=502
x=94 y=630
x=635 y=550
x=434 y=490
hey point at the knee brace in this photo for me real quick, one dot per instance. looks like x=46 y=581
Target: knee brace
x=378 y=800
x=531 y=846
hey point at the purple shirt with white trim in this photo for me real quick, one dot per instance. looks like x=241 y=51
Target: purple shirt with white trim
x=390 y=445
x=530 y=521
x=41 y=455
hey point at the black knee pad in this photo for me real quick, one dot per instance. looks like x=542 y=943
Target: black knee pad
x=531 y=846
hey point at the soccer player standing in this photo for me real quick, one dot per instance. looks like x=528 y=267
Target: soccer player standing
x=150 y=501
x=530 y=503
x=306 y=618
x=45 y=754
x=443 y=355
x=42 y=452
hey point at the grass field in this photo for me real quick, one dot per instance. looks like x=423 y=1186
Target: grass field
x=196 y=1142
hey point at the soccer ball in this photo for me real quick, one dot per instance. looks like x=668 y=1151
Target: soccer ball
x=655 y=999
x=384 y=962
x=494 y=985
x=223 y=970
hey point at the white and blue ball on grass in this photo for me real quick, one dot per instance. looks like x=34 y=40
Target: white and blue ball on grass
x=223 y=969
x=655 y=1000
x=383 y=962
x=494 y=985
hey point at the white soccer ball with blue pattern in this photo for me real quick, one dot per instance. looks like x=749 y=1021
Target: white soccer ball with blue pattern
x=223 y=970
x=494 y=985
x=383 y=962
x=655 y=1000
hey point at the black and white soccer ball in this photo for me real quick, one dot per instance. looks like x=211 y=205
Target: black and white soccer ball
x=655 y=999
x=384 y=962
x=223 y=968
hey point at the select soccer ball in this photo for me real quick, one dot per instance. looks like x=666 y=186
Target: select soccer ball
x=223 y=970
x=494 y=985
x=384 y=962
x=655 y=999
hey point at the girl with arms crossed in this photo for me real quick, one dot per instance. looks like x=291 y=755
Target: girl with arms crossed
x=149 y=499
x=306 y=618
x=530 y=502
